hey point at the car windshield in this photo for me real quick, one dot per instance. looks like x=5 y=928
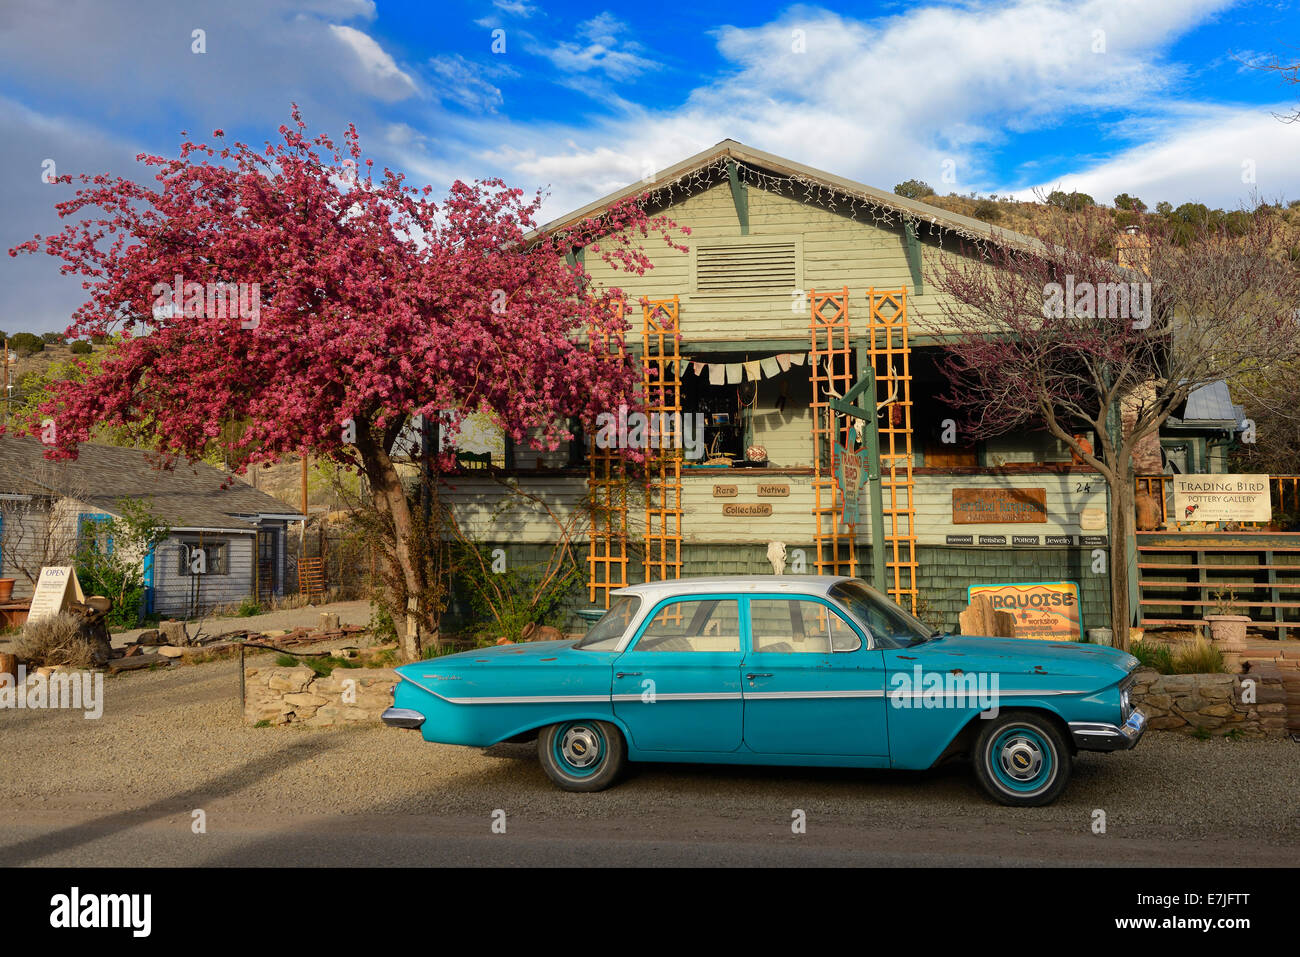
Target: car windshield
x=605 y=634
x=879 y=613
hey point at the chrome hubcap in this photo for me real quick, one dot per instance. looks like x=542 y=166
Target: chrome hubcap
x=580 y=747
x=1021 y=758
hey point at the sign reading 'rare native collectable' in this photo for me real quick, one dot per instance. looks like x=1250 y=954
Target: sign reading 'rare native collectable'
x=992 y=506
x=1222 y=498
x=1047 y=611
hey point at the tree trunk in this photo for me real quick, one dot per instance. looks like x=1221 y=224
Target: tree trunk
x=389 y=497
x=1121 y=515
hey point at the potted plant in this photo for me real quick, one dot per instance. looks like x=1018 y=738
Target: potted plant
x=1228 y=628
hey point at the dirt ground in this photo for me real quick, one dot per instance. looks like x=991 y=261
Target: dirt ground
x=126 y=788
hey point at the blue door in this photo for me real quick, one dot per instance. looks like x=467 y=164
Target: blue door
x=811 y=684
x=677 y=687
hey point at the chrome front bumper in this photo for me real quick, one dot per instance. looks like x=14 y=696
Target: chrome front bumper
x=402 y=718
x=1095 y=736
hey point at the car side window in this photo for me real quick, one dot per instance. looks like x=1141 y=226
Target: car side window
x=796 y=625
x=707 y=624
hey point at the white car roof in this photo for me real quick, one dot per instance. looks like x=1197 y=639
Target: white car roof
x=798 y=584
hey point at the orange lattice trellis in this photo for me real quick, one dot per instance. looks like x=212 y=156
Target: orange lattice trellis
x=661 y=378
x=890 y=354
x=831 y=376
x=607 y=494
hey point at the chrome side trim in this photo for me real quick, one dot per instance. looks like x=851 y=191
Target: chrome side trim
x=769 y=695
x=534 y=699
x=681 y=696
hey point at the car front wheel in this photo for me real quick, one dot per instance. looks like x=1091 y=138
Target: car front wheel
x=582 y=755
x=1022 y=760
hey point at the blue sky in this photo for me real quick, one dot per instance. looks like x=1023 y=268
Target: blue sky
x=1144 y=96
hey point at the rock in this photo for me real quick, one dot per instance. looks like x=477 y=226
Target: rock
x=170 y=651
x=291 y=679
x=305 y=700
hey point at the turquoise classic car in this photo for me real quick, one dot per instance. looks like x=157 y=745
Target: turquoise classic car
x=782 y=670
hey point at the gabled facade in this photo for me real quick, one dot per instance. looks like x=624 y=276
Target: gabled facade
x=798 y=281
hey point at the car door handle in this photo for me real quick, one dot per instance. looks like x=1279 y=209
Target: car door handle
x=628 y=674
x=758 y=674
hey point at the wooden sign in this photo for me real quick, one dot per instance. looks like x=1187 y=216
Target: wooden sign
x=997 y=506
x=724 y=491
x=1048 y=611
x=773 y=491
x=55 y=590
x=1222 y=498
x=747 y=510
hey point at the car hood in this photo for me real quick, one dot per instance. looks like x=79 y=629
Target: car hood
x=1020 y=656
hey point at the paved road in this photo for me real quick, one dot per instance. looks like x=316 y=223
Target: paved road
x=123 y=789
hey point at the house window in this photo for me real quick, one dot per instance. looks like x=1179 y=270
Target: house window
x=92 y=533
x=214 y=558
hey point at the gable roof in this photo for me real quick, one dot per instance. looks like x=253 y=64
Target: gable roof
x=187 y=496
x=906 y=209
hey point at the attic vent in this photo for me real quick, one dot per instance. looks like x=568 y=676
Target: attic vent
x=745 y=267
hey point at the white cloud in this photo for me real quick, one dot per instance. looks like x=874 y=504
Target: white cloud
x=601 y=50
x=383 y=77
x=926 y=91
x=1222 y=156
x=515 y=7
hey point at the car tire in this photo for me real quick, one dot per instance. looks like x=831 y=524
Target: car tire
x=1022 y=760
x=566 y=750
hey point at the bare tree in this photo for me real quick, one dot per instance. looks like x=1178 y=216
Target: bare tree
x=1051 y=333
x=41 y=528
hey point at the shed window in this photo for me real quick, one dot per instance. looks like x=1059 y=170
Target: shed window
x=214 y=561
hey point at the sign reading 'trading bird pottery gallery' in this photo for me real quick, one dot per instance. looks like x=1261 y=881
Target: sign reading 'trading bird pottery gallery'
x=1045 y=610
x=1222 y=498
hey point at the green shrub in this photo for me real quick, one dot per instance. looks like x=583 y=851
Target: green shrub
x=53 y=338
x=81 y=348
x=913 y=189
x=500 y=605
x=988 y=211
x=1198 y=658
x=248 y=608
x=26 y=344
x=1153 y=655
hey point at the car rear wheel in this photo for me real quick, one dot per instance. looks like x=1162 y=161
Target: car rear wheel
x=1022 y=760
x=582 y=755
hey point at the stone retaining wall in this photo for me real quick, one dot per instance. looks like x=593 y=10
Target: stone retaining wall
x=297 y=696
x=1213 y=702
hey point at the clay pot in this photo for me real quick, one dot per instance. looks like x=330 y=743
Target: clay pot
x=7 y=588
x=1148 y=513
x=1228 y=633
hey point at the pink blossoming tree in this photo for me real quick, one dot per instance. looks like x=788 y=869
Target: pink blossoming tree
x=292 y=291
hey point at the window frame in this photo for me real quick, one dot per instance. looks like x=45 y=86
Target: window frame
x=183 y=567
x=866 y=641
x=742 y=620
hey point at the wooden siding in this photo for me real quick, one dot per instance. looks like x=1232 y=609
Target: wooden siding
x=172 y=589
x=834 y=251
x=489 y=515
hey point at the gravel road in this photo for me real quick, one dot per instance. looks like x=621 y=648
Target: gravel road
x=122 y=789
